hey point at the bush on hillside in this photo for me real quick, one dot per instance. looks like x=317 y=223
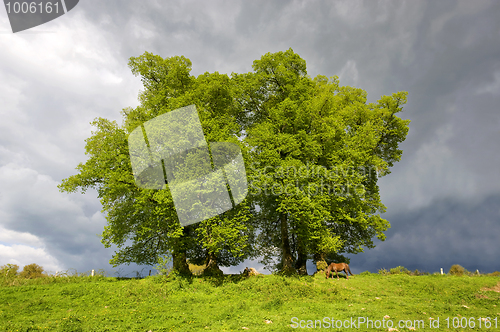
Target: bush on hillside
x=457 y=270
x=399 y=270
x=9 y=270
x=164 y=265
x=32 y=271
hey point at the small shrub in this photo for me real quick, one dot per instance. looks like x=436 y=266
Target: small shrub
x=457 y=270
x=495 y=274
x=32 y=271
x=399 y=270
x=9 y=270
x=164 y=266
x=367 y=273
x=321 y=265
x=383 y=272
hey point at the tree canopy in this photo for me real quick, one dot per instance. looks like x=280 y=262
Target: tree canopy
x=313 y=152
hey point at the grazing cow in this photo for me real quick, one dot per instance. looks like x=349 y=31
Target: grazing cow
x=248 y=272
x=338 y=268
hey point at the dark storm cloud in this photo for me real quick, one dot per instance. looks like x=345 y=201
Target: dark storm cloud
x=201 y=31
x=447 y=232
x=446 y=54
x=34 y=205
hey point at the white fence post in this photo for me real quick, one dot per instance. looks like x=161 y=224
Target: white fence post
x=442 y=271
x=92 y=273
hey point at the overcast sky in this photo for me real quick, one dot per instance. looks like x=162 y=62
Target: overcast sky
x=443 y=198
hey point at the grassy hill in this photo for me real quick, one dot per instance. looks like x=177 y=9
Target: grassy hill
x=258 y=303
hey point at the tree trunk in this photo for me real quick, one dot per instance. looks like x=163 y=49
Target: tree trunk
x=212 y=266
x=301 y=263
x=320 y=260
x=180 y=262
x=287 y=259
x=179 y=256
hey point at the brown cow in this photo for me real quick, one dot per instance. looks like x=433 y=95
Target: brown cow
x=248 y=272
x=338 y=268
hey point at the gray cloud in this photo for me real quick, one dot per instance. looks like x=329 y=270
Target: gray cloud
x=446 y=54
x=448 y=231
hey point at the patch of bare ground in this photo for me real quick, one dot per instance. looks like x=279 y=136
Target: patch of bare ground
x=495 y=288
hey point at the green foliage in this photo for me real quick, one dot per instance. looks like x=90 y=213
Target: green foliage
x=313 y=151
x=233 y=301
x=457 y=270
x=212 y=272
x=402 y=270
x=321 y=265
x=495 y=274
x=72 y=324
x=164 y=265
x=317 y=149
x=399 y=270
x=32 y=271
x=143 y=223
x=9 y=271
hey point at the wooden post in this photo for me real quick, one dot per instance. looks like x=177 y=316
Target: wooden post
x=442 y=271
x=150 y=273
x=477 y=271
x=92 y=273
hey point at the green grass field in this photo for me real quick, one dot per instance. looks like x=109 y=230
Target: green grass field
x=236 y=303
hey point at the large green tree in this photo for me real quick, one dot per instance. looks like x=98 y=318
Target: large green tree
x=143 y=222
x=313 y=150
x=316 y=152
